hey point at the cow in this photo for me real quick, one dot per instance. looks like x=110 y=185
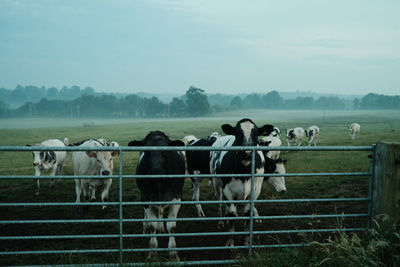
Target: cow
x=93 y=163
x=276 y=132
x=160 y=189
x=295 y=135
x=271 y=141
x=312 y=135
x=198 y=162
x=49 y=160
x=354 y=130
x=245 y=133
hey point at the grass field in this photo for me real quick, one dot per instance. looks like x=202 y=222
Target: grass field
x=376 y=126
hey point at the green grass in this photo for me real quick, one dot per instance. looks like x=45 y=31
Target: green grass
x=375 y=127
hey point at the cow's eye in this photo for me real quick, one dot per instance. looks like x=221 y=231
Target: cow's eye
x=98 y=160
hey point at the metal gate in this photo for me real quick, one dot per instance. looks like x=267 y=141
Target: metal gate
x=121 y=236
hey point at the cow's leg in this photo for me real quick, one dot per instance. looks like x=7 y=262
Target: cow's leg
x=60 y=171
x=78 y=190
x=218 y=196
x=160 y=224
x=37 y=184
x=151 y=214
x=196 y=195
x=53 y=173
x=171 y=228
x=86 y=194
x=104 y=196
x=232 y=212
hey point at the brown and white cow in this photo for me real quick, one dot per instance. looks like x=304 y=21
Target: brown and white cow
x=93 y=163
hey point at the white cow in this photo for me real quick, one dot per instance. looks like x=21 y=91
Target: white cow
x=93 y=163
x=312 y=134
x=272 y=141
x=295 y=135
x=354 y=129
x=49 y=160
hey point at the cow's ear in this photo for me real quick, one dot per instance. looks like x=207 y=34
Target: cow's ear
x=228 y=129
x=266 y=129
x=136 y=143
x=91 y=154
x=176 y=143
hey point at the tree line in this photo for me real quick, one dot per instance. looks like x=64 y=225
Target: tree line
x=194 y=103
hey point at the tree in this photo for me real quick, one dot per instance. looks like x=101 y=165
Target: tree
x=237 y=103
x=272 y=100
x=197 y=102
x=178 y=107
x=356 y=104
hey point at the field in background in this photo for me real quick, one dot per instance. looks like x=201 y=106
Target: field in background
x=375 y=127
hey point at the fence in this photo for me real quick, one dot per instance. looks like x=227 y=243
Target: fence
x=122 y=219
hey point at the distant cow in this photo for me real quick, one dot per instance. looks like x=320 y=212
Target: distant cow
x=49 y=160
x=354 y=130
x=245 y=133
x=94 y=163
x=312 y=135
x=160 y=189
x=295 y=135
x=198 y=162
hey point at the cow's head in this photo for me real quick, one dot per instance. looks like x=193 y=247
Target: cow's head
x=310 y=133
x=290 y=134
x=157 y=161
x=104 y=159
x=276 y=132
x=276 y=166
x=43 y=158
x=246 y=133
x=213 y=136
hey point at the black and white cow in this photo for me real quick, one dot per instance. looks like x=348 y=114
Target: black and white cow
x=198 y=162
x=160 y=189
x=93 y=163
x=312 y=134
x=295 y=135
x=245 y=133
x=49 y=160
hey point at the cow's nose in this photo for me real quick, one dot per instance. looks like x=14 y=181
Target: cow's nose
x=35 y=164
x=105 y=173
x=283 y=191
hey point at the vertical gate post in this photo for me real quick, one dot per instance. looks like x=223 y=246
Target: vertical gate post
x=386 y=181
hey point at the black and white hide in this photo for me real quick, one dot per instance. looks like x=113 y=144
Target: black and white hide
x=160 y=189
x=245 y=133
x=198 y=162
x=49 y=160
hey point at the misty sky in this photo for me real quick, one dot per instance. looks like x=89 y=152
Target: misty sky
x=221 y=46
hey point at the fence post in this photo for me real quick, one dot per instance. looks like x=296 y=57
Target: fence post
x=386 y=181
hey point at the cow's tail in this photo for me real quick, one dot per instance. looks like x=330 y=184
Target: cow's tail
x=66 y=141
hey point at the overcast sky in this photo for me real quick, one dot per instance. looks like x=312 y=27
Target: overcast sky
x=221 y=46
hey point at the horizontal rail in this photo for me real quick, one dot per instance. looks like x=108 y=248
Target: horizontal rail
x=310 y=216
x=52 y=204
x=198 y=234
x=181 y=175
x=186 y=148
